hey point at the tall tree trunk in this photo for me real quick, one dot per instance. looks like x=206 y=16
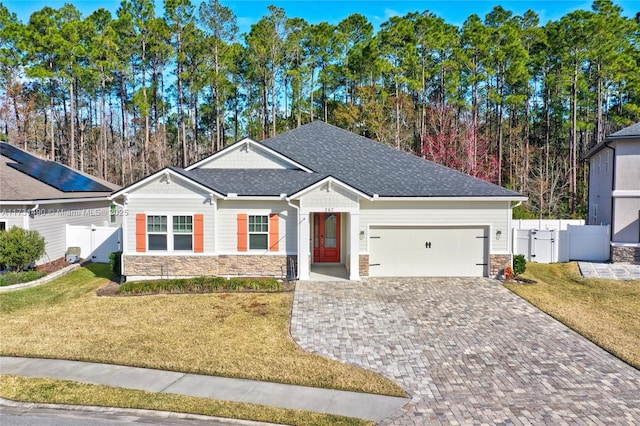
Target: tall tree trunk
x=72 y=139
x=574 y=141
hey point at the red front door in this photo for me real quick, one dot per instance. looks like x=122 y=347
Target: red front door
x=326 y=237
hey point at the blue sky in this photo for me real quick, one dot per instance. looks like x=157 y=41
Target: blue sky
x=377 y=11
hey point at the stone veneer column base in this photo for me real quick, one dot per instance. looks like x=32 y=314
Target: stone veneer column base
x=498 y=263
x=188 y=266
x=625 y=254
x=364 y=265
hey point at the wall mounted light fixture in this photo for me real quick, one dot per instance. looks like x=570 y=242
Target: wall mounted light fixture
x=498 y=234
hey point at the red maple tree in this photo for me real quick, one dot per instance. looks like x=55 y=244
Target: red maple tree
x=457 y=143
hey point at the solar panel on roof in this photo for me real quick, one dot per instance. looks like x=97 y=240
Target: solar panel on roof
x=50 y=172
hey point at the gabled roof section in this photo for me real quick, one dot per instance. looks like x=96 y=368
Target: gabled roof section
x=374 y=168
x=172 y=172
x=26 y=177
x=254 y=182
x=333 y=181
x=631 y=132
x=247 y=154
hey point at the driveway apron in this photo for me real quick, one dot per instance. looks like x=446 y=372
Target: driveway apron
x=468 y=351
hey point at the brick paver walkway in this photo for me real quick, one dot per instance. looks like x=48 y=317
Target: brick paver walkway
x=468 y=351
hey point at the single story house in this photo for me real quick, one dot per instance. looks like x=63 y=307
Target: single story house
x=46 y=196
x=316 y=195
x=614 y=191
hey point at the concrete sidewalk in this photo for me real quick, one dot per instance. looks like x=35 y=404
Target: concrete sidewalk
x=351 y=404
x=614 y=271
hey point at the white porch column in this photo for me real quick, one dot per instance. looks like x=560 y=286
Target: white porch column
x=354 y=248
x=304 y=230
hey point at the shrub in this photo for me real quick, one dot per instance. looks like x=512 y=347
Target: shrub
x=115 y=261
x=20 y=277
x=20 y=248
x=200 y=284
x=519 y=264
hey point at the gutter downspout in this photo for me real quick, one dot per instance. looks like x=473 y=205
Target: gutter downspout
x=613 y=186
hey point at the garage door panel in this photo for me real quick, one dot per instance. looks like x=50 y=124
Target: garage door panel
x=423 y=251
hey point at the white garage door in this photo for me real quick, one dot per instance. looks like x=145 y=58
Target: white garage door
x=428 y=252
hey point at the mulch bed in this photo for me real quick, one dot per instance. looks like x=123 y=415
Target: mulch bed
x=53 y=266
x=111 y=289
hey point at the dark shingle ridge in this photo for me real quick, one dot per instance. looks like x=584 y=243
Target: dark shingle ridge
x=375 y=168
x=253 y=182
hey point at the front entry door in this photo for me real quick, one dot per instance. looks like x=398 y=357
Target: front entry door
x=326 y=237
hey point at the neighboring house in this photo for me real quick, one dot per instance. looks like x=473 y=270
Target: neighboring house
x=614 y=191
x=45 y=196
x=316 y=195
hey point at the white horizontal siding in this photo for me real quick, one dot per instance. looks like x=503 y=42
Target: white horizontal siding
x=228 y=211
x=169 y=207
x=51 y=220
x=438 y=213
x=13 y=216
x=243 y=158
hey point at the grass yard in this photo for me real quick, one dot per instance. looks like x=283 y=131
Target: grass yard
x=242 y=335
x=73 y=393
x=605 y=311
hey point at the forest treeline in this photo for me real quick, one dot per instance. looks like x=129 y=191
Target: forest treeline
x=502 y=97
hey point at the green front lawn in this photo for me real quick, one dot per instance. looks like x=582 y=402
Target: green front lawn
x=605 y=311
x=242 y=335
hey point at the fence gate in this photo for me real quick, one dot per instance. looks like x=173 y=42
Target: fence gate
x=95 y=242
x=543 y=246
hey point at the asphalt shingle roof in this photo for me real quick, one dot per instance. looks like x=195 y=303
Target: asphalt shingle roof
x=627 y=132
x=374 y=168
x=253 y=182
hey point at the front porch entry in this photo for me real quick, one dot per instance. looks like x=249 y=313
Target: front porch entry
x=330 y=239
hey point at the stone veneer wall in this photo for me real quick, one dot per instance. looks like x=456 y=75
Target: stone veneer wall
x=364 y=265
x=497 y=264
x=177 y=266
x=625 y=254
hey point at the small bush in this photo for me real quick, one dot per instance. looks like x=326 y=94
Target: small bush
x=200 y=285
x=20 y=277
x=20 y=248
x=115 y=261
x=519 y=264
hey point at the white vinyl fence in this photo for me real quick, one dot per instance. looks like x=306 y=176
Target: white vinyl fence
x=95 y=242
x=576 y=242
x=545 y=224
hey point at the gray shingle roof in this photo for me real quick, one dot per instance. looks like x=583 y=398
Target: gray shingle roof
x=253 y=182
x=631 y=132
x=627 y=132
x=374 y=168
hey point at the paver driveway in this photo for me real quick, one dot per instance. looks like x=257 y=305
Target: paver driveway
x=468 y=351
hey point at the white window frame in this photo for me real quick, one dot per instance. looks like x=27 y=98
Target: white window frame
x=170 y=232
x=250 y=232
x=175 y=233
x=165 y=232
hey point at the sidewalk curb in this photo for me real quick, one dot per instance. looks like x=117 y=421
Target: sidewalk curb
x=128 y=411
